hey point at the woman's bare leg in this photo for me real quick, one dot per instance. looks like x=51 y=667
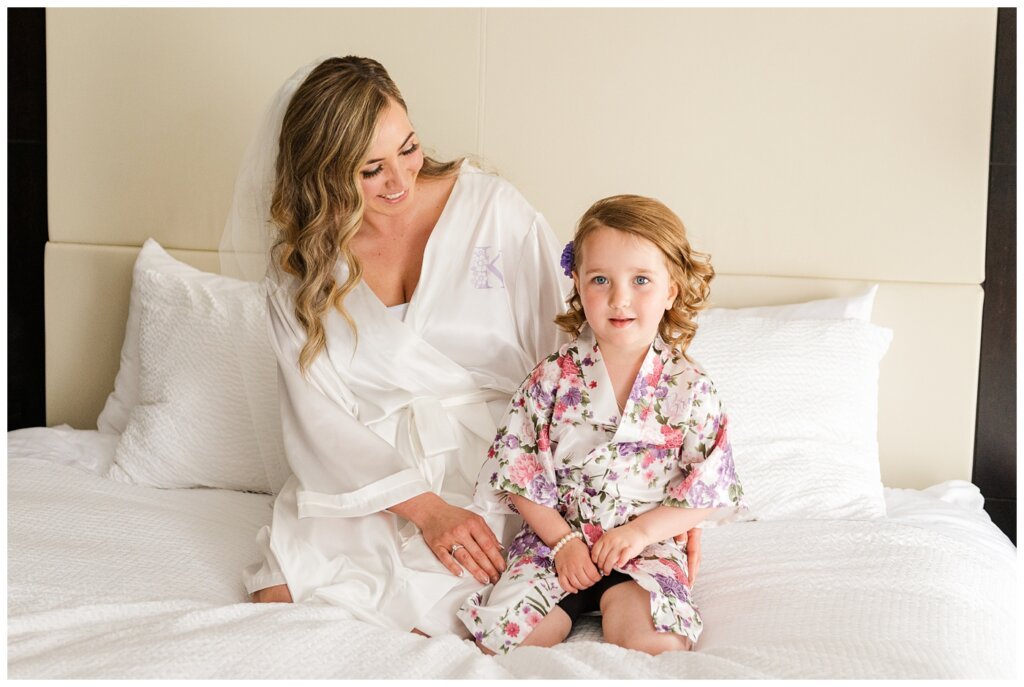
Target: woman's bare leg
x=626 y=621
x=276 y=594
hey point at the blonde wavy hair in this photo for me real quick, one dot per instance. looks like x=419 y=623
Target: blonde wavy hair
x=318 y=204
x=648 y=219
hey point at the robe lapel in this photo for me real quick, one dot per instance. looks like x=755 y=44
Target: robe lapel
x=400 y=372
x=393 y=358
x=427 y=287
x=640 y=419
x=603 y=407
x=395 y=363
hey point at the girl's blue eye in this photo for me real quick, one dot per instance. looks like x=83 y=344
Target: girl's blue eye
x=642 y=280
x=600 y=280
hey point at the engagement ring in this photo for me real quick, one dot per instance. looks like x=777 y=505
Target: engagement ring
x=455 y=547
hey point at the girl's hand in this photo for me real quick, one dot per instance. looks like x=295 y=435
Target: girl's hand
x=617 y=546
x=690 y=542
x=575 y=570
x=478 y=550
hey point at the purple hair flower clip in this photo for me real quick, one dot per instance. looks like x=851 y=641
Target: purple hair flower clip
x=567 y=259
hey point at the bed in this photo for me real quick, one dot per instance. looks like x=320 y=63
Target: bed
x=868 y=553
x=147 y=586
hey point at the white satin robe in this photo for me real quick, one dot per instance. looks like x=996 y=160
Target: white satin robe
x=411 y=408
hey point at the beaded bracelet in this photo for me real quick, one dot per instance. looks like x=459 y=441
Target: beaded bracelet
x=563 y=541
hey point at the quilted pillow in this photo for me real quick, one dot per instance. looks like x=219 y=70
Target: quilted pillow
x=125 y=396
x=802 y=398
x=203 y=353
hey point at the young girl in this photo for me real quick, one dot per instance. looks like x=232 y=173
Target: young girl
x=611 y=446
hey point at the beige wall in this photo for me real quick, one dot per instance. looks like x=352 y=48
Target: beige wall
x=810 y=151
x=860 y=136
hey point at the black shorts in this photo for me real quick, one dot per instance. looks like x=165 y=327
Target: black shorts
x=589 y=599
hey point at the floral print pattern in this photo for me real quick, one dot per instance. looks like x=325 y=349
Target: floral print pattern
x=563 y=444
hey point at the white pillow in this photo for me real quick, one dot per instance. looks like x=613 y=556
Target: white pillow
x=854 y=307
x=125 y=396
x=203 y=353
x=802 y=399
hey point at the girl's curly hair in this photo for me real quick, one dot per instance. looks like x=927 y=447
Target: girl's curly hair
x=652 y=220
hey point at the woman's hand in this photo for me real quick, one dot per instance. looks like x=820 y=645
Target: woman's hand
x=445 y=526
x=575 y=570
x=617 y=546
x=690 y=542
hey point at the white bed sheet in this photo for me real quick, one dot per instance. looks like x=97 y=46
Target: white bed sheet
x=112 y=580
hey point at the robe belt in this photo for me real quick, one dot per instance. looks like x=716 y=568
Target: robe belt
x=590 y=508
x=431 y=430
x=428 y=435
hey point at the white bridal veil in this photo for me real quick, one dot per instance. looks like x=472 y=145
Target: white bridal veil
x=249 y=232
x=245 y=254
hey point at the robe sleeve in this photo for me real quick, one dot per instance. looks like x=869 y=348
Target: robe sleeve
x=520 y=460
x=344 y=469
x=708 y=478
x=538 y=291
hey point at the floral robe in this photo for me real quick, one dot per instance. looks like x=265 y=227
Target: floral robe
x=563 y=445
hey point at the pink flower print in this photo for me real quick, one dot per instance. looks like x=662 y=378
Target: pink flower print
x=592 y=532
x=648 y=475
x=543 y=442
x=645 y=413
x=723 y=435
x=560 y=409
x=527 y=433
x=648 y=459
x=532 y=617
x=673 y=437
x=683 y=488
x=679 y=573
x=524 y=470
x=569 y=367
x=655 y=376
x=512 y=630
x=593 y=385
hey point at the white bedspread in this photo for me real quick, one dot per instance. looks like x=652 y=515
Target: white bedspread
x=111 y=580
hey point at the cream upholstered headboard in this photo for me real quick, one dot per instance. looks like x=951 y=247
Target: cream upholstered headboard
x=812 y=152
